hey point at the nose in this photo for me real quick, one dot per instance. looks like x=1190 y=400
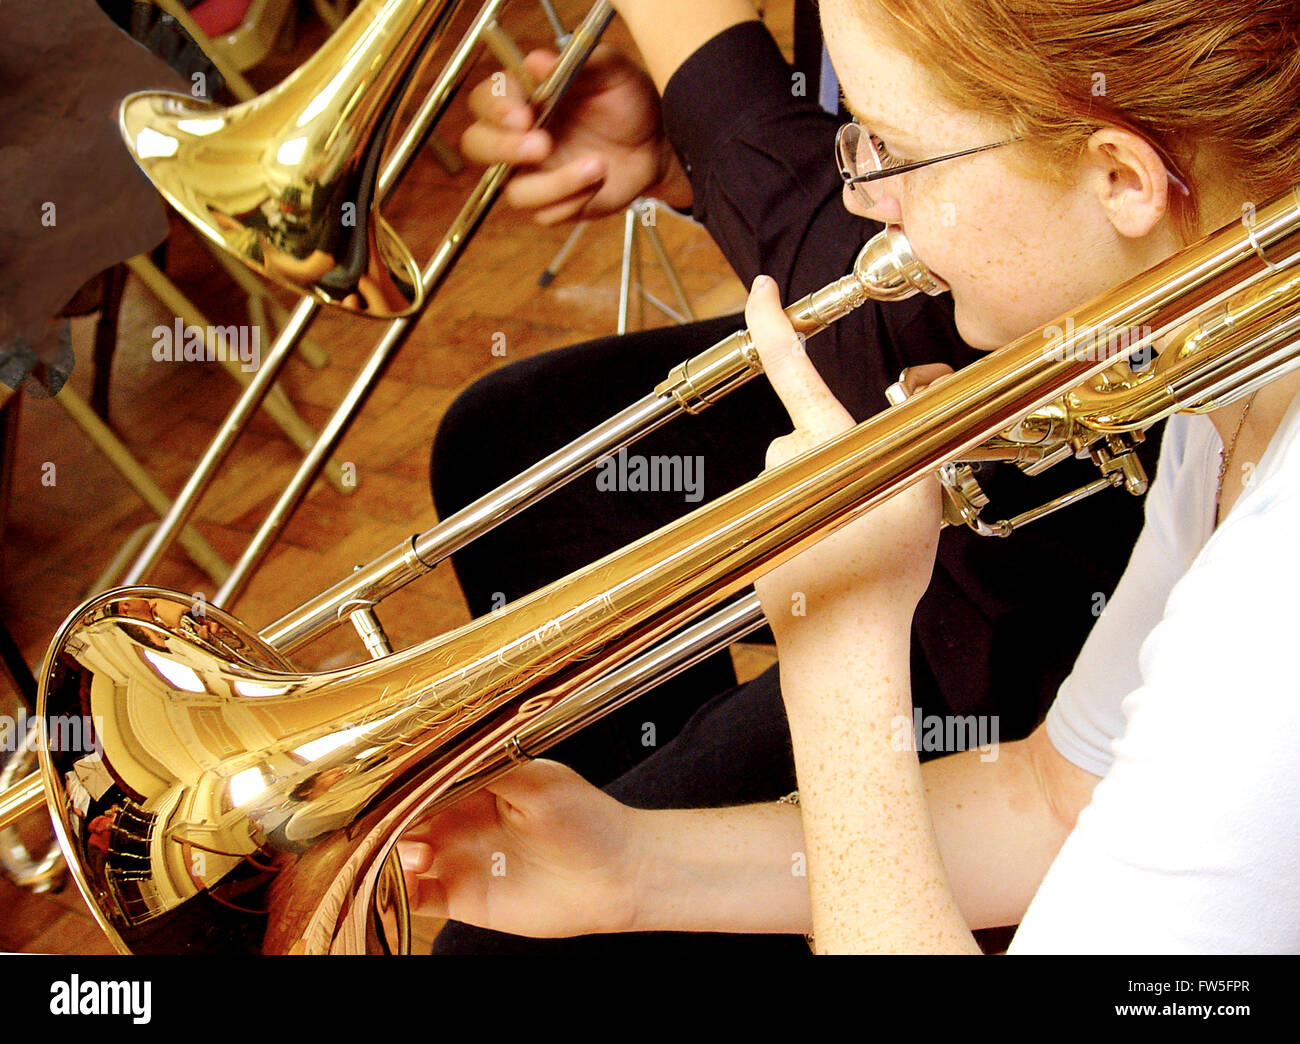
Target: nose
x=886 y=208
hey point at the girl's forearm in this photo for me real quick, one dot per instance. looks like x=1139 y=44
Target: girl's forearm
x=724 y=870
x=745 y=869
x=878 y=880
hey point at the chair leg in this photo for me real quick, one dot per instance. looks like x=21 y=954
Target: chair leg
x=11 y=658
x=200 y=551
x=10 y=403
x=448 y=158
x=239 y=87
x=276 y=404
x=106 y=338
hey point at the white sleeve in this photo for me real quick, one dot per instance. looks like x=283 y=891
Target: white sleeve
x=1086 y=714
x=1191 y=842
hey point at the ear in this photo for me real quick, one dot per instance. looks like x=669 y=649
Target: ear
x=1129 y=178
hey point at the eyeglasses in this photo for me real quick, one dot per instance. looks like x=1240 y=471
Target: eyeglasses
x=863 y=158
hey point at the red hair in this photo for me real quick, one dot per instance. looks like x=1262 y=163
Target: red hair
x=1183 y=74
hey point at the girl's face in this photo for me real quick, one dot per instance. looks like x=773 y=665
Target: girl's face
x=1016 y=250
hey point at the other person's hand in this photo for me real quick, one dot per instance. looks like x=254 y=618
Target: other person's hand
x=603 y=147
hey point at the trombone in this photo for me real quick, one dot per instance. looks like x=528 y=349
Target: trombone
x=291 y=182
x=232 y=803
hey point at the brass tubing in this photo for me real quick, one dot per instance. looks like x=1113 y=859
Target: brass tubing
x=435 y=101
x=24 y=798
x=885 y=269
x=1249 y=327
x=471 y=215
x=419 y=554
x=608 y=693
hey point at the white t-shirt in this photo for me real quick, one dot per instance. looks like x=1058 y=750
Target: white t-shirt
x=1186 y=700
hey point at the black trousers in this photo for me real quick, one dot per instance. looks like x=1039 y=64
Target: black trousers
x=696 y=741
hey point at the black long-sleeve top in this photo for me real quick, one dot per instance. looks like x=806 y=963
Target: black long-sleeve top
x=1003 y=619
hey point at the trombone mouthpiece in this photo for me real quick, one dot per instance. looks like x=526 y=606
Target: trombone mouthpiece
x=886 y=269
x=889 y=270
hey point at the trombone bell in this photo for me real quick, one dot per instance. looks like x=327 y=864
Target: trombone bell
x=210 y=793
x=265 y=199
x=287 y=181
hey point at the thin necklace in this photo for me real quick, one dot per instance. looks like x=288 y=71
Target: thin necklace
x=1225 y=457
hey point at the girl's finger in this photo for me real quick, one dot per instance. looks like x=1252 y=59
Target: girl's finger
x=812 y=406
x=533 y=781
x=787 y=447
x=483 y=143
x=500 y=100
x=567 y=209
x=416 y=856
x=918 y=378
x=539 y=63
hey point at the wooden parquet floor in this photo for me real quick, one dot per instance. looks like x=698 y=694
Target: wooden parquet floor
x=60 y=537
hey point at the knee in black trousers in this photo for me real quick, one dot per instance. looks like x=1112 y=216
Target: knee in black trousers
x=515 y=416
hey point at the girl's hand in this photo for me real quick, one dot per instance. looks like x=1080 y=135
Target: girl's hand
x=884 y=558
x=538 y=852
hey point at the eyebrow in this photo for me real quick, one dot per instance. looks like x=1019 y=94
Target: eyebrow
x=875 y=126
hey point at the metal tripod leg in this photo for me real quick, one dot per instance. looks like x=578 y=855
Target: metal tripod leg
x=631 y=269
x=669 y=270
x=562 y=255
x=625 y=277
x=557 y=27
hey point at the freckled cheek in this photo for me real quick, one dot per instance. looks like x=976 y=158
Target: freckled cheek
x=944 y=231
x=987 y=284
x=978 y=243
x=948 y=250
